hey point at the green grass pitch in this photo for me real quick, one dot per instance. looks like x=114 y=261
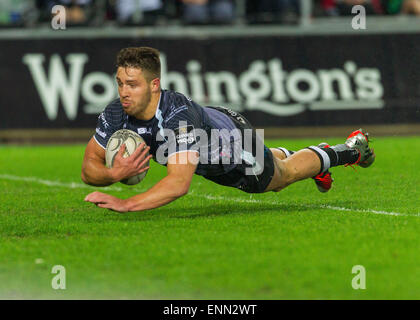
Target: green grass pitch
x=216 y=242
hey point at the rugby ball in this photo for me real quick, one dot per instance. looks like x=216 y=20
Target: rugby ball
x=131 y=140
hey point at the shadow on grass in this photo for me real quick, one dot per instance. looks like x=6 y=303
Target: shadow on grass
x=217 y=210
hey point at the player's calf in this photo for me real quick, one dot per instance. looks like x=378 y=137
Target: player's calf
x=323 y=180
x=304 y=164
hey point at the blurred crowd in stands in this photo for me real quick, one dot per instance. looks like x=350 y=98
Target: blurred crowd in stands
x=188 y=12
x=378 y=7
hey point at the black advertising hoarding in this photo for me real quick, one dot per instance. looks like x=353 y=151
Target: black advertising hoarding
x=273 y=81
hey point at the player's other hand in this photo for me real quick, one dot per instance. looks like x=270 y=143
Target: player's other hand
x=107 y=201
x=133 y=165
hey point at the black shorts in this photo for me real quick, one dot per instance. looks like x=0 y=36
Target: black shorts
x=237 y=177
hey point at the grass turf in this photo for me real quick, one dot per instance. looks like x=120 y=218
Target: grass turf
x=216 y=242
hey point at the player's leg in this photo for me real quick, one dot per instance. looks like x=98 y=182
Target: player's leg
x=281 y=153
x=314 y=160
x=301 y=165
x=323 y=180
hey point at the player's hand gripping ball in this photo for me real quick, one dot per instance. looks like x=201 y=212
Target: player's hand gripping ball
x=132 y=140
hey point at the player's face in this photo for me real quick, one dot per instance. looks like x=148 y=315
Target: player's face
x=134 y=90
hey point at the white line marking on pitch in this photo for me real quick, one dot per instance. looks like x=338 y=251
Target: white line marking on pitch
x=75 y=185
x=71 y=185
x=306 y=206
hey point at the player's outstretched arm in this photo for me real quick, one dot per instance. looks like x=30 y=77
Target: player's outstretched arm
x=95 y=173
x=181 y=168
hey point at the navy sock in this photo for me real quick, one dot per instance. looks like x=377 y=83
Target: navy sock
x=344 y=154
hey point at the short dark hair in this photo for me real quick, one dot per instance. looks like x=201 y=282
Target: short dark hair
x=144 y=58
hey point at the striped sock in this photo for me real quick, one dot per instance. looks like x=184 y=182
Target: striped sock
x=288 y=153
x=335 y=156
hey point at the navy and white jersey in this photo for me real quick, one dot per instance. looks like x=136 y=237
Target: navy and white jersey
x=180 y=115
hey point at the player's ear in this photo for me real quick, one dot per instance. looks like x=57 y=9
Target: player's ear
x=155 y=85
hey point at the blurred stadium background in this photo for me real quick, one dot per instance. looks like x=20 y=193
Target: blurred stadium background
x=294 y=67
x=285 y=64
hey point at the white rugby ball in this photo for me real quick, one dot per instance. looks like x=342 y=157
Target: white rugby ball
x=131 y=140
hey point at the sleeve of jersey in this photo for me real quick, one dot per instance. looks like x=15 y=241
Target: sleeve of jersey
x=104 y=128
x=184 y=131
